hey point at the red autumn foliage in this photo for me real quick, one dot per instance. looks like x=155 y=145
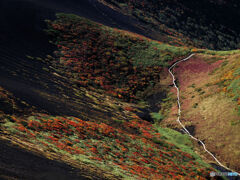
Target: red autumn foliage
x=100 y=62
x=134 y=153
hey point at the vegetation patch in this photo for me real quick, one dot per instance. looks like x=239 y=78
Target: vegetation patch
x=229 y=81
x=157 y=117
x=140 y=151
x=177 y=22
x=121 y=63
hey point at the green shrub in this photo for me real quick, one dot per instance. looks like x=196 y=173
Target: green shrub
x=157 y=117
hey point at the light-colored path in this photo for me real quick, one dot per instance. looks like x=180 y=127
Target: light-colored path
x=179 y=113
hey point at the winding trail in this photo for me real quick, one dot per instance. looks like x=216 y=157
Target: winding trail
x=179 y=114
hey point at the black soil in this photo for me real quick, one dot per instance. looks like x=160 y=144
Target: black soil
x=16 y=163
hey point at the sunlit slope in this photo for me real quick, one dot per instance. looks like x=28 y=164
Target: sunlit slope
x=209 y=86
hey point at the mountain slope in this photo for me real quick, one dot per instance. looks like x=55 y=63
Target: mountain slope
x=209 y=86
x=98 y=103
x=115 y=64
x=204 y=24
x=104 y=136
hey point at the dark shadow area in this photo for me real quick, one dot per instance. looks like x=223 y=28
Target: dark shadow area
x=191 y=129
x=21 y=34
x=144 y=114
x=212 y=24
x=21 y=164
x=26 y=16
x=154 y=101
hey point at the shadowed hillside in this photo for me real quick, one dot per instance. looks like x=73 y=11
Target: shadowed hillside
x=205 y=24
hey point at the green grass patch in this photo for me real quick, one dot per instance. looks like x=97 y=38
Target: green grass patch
x=157 y=117
x=221 y=53
x=182 y=141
